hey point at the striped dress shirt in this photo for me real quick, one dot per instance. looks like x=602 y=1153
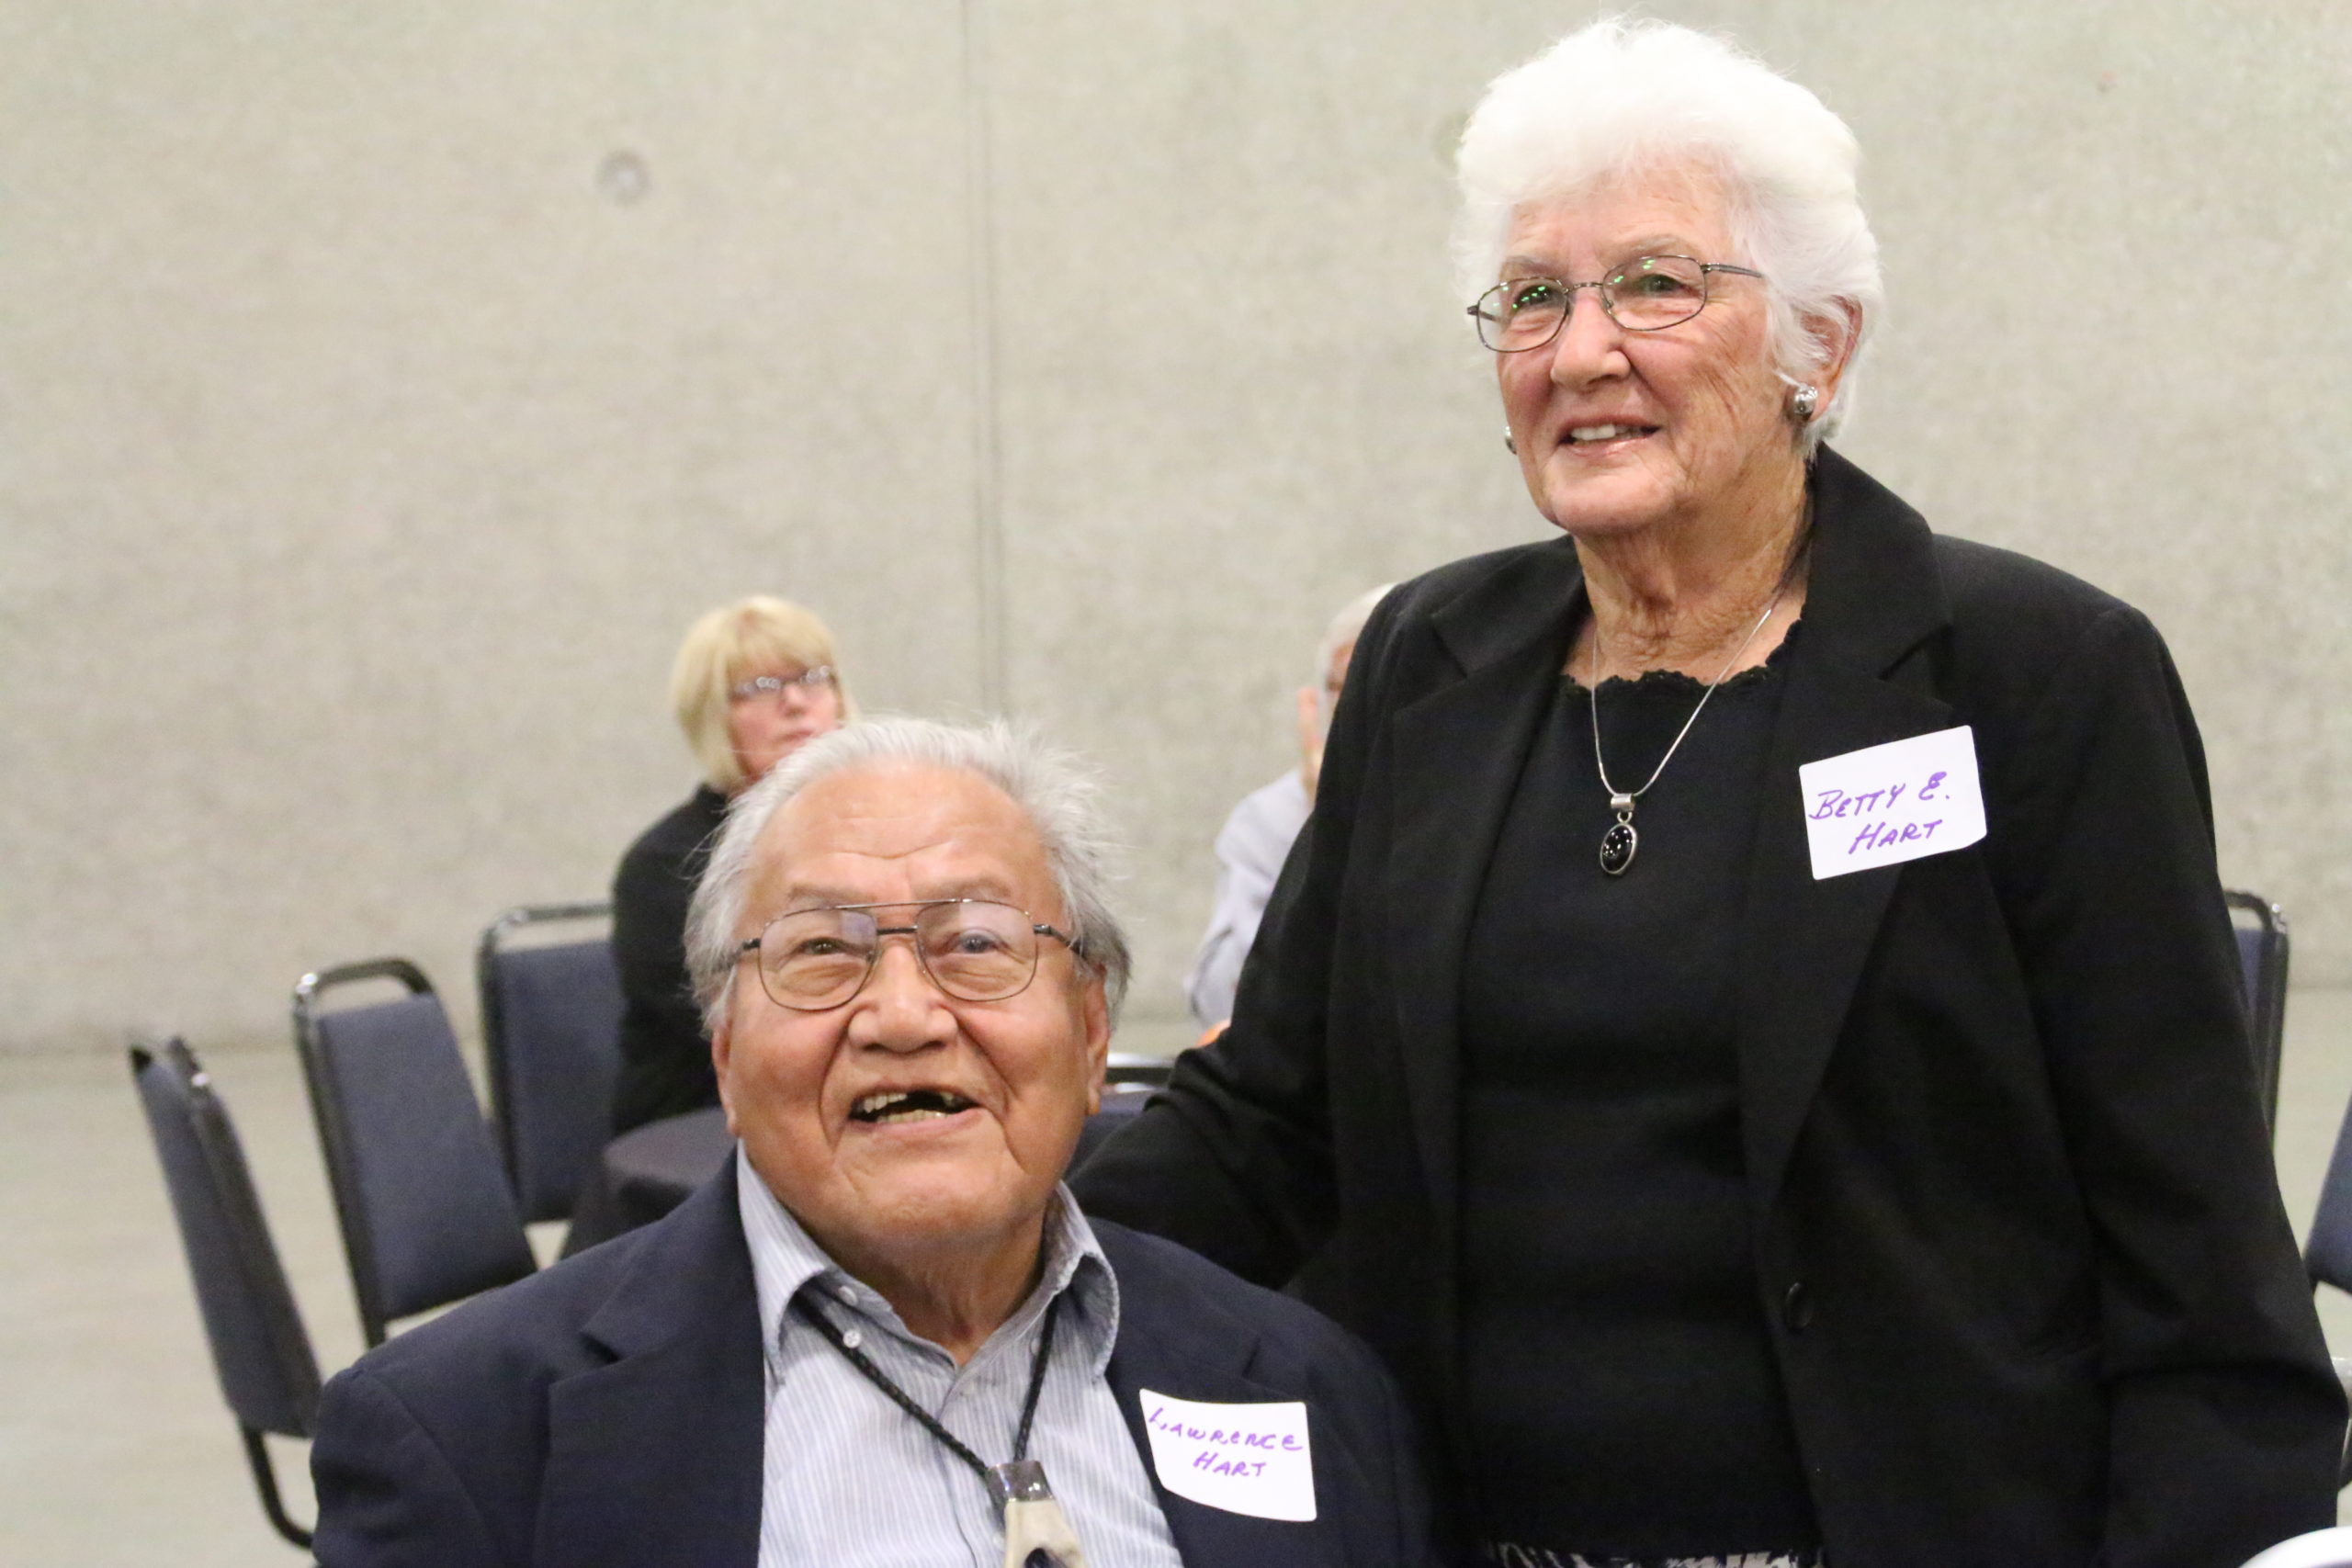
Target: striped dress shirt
x=852 y=1481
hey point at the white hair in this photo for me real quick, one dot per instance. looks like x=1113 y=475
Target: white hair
x=1054 y=790
x=1619 y=98
x=1345 y=628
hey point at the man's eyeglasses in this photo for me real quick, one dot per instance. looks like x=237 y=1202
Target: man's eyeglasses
x=1646 y=295
x=974 y=949
x=808 y=683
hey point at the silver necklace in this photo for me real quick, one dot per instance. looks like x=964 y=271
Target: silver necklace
x=1619 y=844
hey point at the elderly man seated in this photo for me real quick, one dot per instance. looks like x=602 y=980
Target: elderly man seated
x=884 y=1335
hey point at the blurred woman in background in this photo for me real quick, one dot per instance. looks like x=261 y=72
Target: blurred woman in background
x=754 y=681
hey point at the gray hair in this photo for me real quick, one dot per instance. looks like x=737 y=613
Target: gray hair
x=1620 y=97
x=1346 y=626
x=1057 y=794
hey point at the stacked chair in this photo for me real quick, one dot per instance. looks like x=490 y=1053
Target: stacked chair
x=430 y=1198
x=551 y=1023
x=259 y=1348
x=423 y=1200
x=2327 y=1255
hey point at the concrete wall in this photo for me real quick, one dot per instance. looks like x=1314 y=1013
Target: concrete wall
x=382 y=389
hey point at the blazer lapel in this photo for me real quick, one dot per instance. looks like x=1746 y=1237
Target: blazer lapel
x=1458 y=754
x=1174 y=1342
x=1858 y=678
x=657 y=1457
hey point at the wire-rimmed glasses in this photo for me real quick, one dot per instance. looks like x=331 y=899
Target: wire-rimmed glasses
x=772 y=688
x=1646 y=295
x=975 y=949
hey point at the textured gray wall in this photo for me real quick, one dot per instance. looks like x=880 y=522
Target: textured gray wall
x=368 y=436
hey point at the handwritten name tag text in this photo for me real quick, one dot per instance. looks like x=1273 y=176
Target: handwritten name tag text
x=1245 y=1458
x=1884 y=804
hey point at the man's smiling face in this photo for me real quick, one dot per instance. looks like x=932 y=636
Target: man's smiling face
x=995 y=1091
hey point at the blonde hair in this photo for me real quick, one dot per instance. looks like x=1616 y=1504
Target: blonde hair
x=733 y=644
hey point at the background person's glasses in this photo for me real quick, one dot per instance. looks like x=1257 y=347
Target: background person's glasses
x=974 y=949
x=1644 y=294
x=808 y=683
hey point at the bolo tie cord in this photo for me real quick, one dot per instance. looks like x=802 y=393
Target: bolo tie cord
x=807 y=1313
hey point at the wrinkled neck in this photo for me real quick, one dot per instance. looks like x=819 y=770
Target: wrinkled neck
x=1682 y=595
x=956 y=1296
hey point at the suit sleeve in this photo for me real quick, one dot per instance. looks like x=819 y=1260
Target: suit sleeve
x=2225 y=1419
x=388 y=1494
x=1234 y=1160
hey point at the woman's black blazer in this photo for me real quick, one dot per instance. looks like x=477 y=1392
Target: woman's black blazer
x=2015 y=1222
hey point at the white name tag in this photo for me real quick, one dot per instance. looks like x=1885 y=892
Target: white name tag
x=1245 y=1458
x=1884 y=804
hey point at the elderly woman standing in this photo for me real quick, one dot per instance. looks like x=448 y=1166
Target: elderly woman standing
x=1750 y=1029
x=753 y=682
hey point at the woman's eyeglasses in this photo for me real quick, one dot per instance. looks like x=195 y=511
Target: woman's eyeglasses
x=1646 y=295
x=773 y=688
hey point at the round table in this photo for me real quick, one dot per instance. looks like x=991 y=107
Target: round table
x=649 y=1171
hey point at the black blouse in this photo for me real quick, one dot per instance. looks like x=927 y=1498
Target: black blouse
x=665 y=1061
x=1623 y=1394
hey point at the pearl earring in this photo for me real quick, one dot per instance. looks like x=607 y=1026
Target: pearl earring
x=1802 y=401
x=1509 y=445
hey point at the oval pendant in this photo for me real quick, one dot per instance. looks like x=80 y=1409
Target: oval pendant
x=1617 y=847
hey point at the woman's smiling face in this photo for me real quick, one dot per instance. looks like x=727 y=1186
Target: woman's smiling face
x=1620 y=431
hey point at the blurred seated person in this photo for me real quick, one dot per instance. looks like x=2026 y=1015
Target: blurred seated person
x=1256 y=839
x=753 y=682
x=884 y=1334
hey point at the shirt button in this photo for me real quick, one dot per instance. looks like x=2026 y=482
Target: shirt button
x=852 y=1339
x=1796 y=1308
x=848 y=1293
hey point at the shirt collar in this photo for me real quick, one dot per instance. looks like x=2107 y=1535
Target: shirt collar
x=786 y=1259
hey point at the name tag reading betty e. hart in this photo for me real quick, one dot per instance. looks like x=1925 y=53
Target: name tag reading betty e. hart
x=1884 y=804
x=1245 y=1458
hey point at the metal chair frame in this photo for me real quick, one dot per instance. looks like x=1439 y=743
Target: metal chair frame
x=493 y=1015
x=328 y=1115
x=2266 y=1001
x=477 y=1225
x=1132 y=1068
x=231 y=1188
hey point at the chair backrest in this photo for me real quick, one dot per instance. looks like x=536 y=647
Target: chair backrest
x=2262 y=966
x=259 y=1346
x=260 y=1350
x=1126 y=1067
x=427 y=1217
x=551 y=1031
x=2327 y=1251
x=1122 y=1102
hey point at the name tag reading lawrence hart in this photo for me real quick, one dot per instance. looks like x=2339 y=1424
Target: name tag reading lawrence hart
x=1245 y=1458
x=1884 y=804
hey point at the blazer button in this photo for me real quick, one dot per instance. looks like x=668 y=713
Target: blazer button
x=1796 y=1308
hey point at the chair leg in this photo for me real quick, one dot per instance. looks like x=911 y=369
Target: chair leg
x=266 y=1483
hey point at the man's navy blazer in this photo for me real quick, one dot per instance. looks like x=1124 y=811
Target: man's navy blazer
x=610 y=1411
